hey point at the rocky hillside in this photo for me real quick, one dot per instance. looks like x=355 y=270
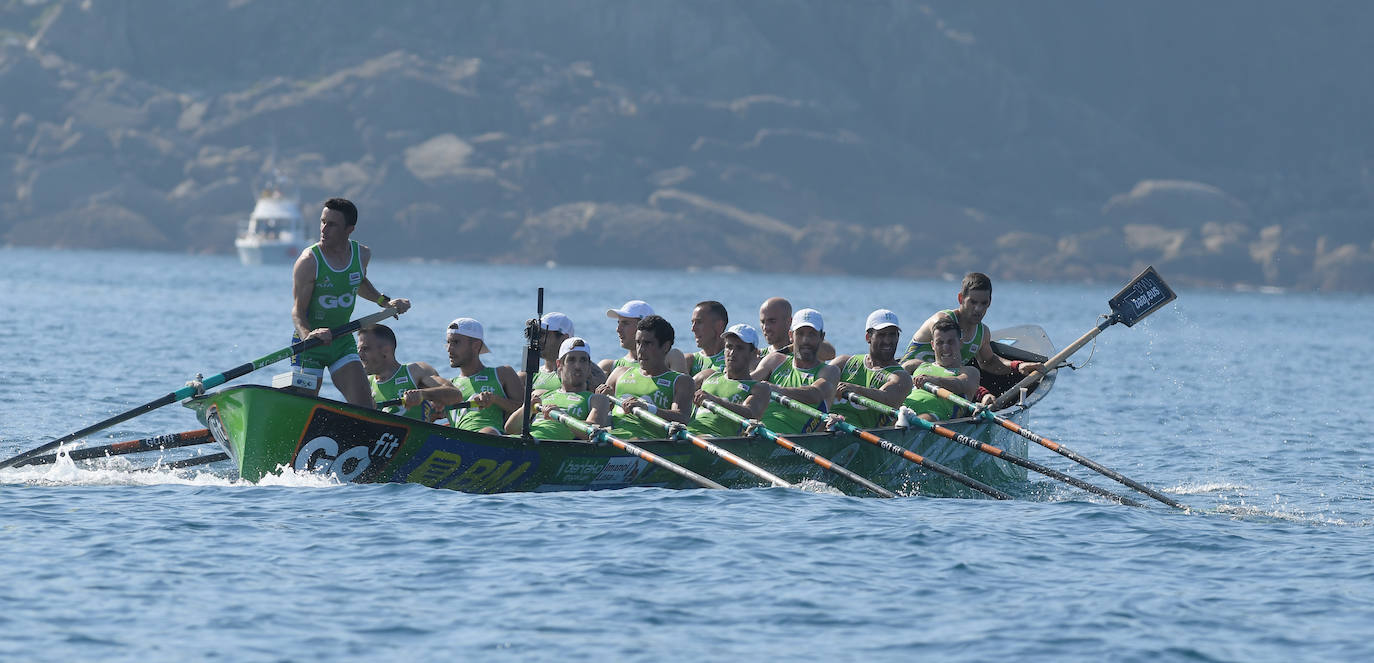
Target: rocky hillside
x=1225 y=142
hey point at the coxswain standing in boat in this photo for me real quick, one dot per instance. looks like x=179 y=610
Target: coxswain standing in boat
x=876 y=375
x=393 y=380
x=324 y=297
x=802 y=376
x=573 y=395
x=975 y=296
x=709 y=320
x=492 y=392
x=557 y=328
x=734 y=387
x=774 y=317
x=627 y=318
x=947 y=369
x=650 y=383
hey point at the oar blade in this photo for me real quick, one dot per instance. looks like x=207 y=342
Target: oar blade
x=1144 y=295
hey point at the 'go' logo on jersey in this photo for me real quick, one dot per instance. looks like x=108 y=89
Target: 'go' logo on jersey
x=330 y=301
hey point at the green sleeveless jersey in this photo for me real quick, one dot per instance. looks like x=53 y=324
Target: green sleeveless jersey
x=923 y=401
x=331 y=304
x=706 y=422
x=547 y=380
x=624 y=362
x=967 y=349
x=391 y=388
x=472 y=418
x=657 y=389
x=701 y=361
x=784 y=420
x=856 y=371
x=577 y=404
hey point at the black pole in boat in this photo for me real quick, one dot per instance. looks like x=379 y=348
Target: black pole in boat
x=534 y=344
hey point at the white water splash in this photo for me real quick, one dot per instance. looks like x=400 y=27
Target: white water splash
x=118 y=471
x=1206 y=488
x=814 y=486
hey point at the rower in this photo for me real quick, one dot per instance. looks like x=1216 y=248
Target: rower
x=557 y=328
x=774 y=316
x=946 y=370
x=627 y=318
x=649 y=383
x=802 y=376
x=709 y=320
x=392 y=380
x=733 y=387
x=975 y=296
x=875 y=375
x=324 y=296
x=492 y=392
x=573 y=395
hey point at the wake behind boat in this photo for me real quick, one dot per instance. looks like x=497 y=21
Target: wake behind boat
x=265 y=430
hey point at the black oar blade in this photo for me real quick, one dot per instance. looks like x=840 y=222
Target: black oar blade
x=1144 y=295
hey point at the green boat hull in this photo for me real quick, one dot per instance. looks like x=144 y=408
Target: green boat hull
x=265 y=431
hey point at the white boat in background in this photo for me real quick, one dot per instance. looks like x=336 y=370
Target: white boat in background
x=275 y=232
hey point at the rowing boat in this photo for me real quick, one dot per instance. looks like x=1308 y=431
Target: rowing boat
x=266 y=431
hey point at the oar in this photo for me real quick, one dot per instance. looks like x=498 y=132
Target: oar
x=677 y=430
x=1141 y=297
x=187 y=462
x=160 y=442
x=206 y=383
x=789 y=445
x=534 y=340
x=999 y=453
x=1054 y=446
x=598 y=434
x=894 y=449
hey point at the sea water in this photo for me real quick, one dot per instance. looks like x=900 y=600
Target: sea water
x=1248 y=407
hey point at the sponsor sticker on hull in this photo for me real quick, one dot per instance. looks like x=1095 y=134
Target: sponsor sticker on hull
x=444 y=462
x=351 y=448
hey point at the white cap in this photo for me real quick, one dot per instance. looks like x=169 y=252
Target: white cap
x=574 y=344
x=744 y=333
x=808 y=317
x=558 y=322
x=469 y=328
x=881 y=319
x=632 y=309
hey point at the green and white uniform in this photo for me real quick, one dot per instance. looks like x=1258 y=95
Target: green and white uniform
x=967 y=349
x=390 y=389
x=923 y=401
x=331 y=305
x=701 y=361
x=782 y=419
x=472 y=418
x=623 y=361
x=547 y=381
x=706 y=422
x=657 y=389
x=577 y=404
x=856 y=371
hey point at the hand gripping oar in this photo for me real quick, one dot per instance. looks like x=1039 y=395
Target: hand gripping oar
x=206 y=383
x=1141 y=297
x=678 y=431
x=999 y=453
x=789 y=445
x=599 y=434
x=1053 y=446
x=170 y=441
x=889 y=447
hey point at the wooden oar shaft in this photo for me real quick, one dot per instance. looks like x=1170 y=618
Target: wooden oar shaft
x=705 y=445
x=1057 y=448
x=158 y=443
x=1050 y=364
x=207 y=383
x=600 y=435
x=801 y=451
x=891 y=448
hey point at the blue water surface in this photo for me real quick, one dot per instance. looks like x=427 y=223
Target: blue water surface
x=1245 y=406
